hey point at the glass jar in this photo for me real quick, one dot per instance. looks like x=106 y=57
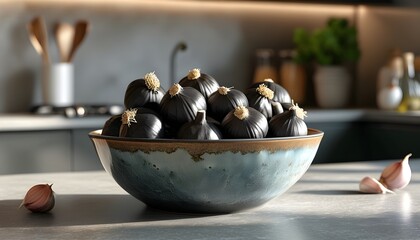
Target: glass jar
x=292 y=76
x=410 y=85
x=265 y=65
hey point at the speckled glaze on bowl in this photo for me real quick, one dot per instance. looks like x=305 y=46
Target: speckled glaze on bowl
x=219 y=176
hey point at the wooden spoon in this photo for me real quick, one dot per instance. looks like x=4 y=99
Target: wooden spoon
x=38 y=37
x=34 y=40
x=64 y=35
x=81 y=29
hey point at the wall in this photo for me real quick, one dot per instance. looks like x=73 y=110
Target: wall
x=132 y=38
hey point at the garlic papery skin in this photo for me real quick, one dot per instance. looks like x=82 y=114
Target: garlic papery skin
x=397 y=175
x=39 y=198
x=371 y=185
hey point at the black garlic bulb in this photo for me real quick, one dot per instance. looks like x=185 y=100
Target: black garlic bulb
x=289 y=123
x=199 y=129
x=112 y=126
x=141 y=123
x=204 y=83
x=245 y=122
x=286 y=106
x=144 y=92
x=260 y=98
x=224 y=100
x=280 y=94
x=277 y=108
x=181 y=104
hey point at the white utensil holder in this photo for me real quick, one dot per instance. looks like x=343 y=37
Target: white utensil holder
x=58 y=84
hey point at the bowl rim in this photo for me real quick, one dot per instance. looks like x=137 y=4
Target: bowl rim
x=312 y=133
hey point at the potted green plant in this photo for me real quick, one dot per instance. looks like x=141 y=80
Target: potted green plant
x=330 y=48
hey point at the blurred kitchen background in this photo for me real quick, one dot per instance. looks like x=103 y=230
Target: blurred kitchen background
x=130 y=38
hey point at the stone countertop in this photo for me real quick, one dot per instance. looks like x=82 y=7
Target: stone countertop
x=367 y=115
x=32 y=122
x=324 y=204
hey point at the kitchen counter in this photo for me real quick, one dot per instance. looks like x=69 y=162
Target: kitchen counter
x=324 y=204
x=32 y=122
x=365 y=115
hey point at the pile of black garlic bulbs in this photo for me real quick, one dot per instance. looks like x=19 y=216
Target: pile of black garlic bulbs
x=197 y=107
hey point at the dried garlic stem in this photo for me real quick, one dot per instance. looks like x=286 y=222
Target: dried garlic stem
x=129 y=116
x=175 y=89
x=264 y=91
x=300 y=113
x=224 y=90
x=152 y=81
x=241 y=112
x=194 y=74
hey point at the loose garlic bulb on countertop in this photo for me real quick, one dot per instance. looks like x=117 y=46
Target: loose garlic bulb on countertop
x=395 y=176
x=39 y=198
x=371 y=185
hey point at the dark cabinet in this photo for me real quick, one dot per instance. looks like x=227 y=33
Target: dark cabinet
x=84 y=157
x=363 y=141
x=38 y=151
x=342 y=142
x=47 y=151
x=392 y=141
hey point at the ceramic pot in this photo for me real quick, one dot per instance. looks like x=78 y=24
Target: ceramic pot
x=58 y=84
x=332 y=86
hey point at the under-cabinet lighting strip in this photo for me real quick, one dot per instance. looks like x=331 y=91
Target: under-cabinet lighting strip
x=185 y=5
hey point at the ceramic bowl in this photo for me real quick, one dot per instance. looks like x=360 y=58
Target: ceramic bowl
x=219 y=176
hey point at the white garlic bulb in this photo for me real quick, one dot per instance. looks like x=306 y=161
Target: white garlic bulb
x=371 y=185
x=397 y=175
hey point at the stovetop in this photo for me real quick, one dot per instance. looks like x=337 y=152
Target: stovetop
x=81 y=110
